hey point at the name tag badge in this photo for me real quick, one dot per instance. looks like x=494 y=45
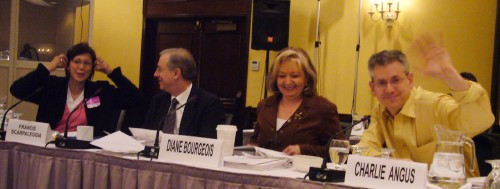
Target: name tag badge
x=28 y=132
x=191 y=150
x=372 y=172
x=94 y=102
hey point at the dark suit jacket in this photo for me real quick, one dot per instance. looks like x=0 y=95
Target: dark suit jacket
x=200 y=118
x=51 y=99
x=311 y=126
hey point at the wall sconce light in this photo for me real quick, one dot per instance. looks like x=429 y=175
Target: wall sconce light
x=389 y=15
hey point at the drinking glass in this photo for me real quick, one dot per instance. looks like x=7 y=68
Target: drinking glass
x=386 y=152
x=358 y=150
x=3 y=101
x=339 y=150
x=16 y=115
x=493 y=179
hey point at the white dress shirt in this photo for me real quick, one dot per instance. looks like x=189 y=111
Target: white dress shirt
x=182 y=99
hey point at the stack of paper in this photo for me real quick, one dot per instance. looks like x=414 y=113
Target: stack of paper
x=256 y=158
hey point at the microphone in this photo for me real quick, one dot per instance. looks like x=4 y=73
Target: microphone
x=363 y=119
x=326 y=175
x=152 y=152
x=64 y=142
x=2 y=130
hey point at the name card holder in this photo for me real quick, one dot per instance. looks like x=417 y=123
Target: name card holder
x=384 y=173
x=28 y=132
x=191 y=150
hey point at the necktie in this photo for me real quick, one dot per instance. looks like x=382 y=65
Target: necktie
x=169 y=125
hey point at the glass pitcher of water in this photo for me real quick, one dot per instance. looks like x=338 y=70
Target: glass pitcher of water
x=448 y=166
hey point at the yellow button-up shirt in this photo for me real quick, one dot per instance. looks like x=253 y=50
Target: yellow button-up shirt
x=411 y=132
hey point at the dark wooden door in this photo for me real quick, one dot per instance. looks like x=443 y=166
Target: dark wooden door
x=220 y=49
x=216 y=45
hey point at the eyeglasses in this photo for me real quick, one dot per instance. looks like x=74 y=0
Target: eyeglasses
x=395 y=81
x=85 y=63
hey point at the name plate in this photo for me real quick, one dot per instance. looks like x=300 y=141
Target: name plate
x=28 y=132
x=191 y=150
x=375 y=172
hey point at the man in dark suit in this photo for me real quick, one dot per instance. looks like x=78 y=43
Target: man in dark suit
x=182 y=108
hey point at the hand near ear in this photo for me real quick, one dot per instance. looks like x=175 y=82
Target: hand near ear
x=102 y=66
x=59 y=61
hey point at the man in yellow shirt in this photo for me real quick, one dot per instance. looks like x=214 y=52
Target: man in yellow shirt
x=405 y=116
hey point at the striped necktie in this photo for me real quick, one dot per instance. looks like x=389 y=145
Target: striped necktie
x=169 y=125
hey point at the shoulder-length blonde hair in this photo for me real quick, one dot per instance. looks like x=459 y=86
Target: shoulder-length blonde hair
x=300 y=57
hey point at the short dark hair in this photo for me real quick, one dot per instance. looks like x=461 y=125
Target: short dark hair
x=299 y=57
x=468 y=76
x=79 y=49
x=385 y=57
x=181 y=58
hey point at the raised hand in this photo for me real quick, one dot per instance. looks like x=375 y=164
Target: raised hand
x=436 y=61
x=59 y=61
x=102 y=66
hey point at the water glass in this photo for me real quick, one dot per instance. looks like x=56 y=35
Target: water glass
x=358 y=150
x=339 y=150
x=3 y=101
x=493 y=179
x=386 y=152
x=16 y=115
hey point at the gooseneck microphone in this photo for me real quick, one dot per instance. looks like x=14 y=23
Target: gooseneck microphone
x=363 y=119
x=2 y=130
x=152 y=152
x=326 y=175
x=64 y=142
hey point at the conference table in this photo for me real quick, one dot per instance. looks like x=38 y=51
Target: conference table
x=26 y=166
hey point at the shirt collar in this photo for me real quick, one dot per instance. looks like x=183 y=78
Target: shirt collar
x=409 y=107
x=73 y=103
x=183 y=97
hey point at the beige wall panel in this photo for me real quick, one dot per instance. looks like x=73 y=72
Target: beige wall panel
x=4 y=81
x=29 y=110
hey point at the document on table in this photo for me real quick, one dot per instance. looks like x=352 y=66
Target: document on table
x=118 y=142
x=261 y=152
x=146 y=136
x=256 y=158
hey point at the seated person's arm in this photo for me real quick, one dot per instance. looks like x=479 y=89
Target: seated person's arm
x=470 y=111
x=126 y=94
x=39 y=77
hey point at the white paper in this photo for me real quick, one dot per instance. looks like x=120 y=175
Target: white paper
x=143 y=134
x=271 y=153
x=255 y=162
x=118 y=142
x=262 y=159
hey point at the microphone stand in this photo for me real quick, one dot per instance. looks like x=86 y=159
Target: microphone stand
x=2 y=127
x=65 y=142
x=323 y=174
x=153 y=151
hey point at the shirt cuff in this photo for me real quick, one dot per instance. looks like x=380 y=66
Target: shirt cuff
x=472 y=94
x=117 y=72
